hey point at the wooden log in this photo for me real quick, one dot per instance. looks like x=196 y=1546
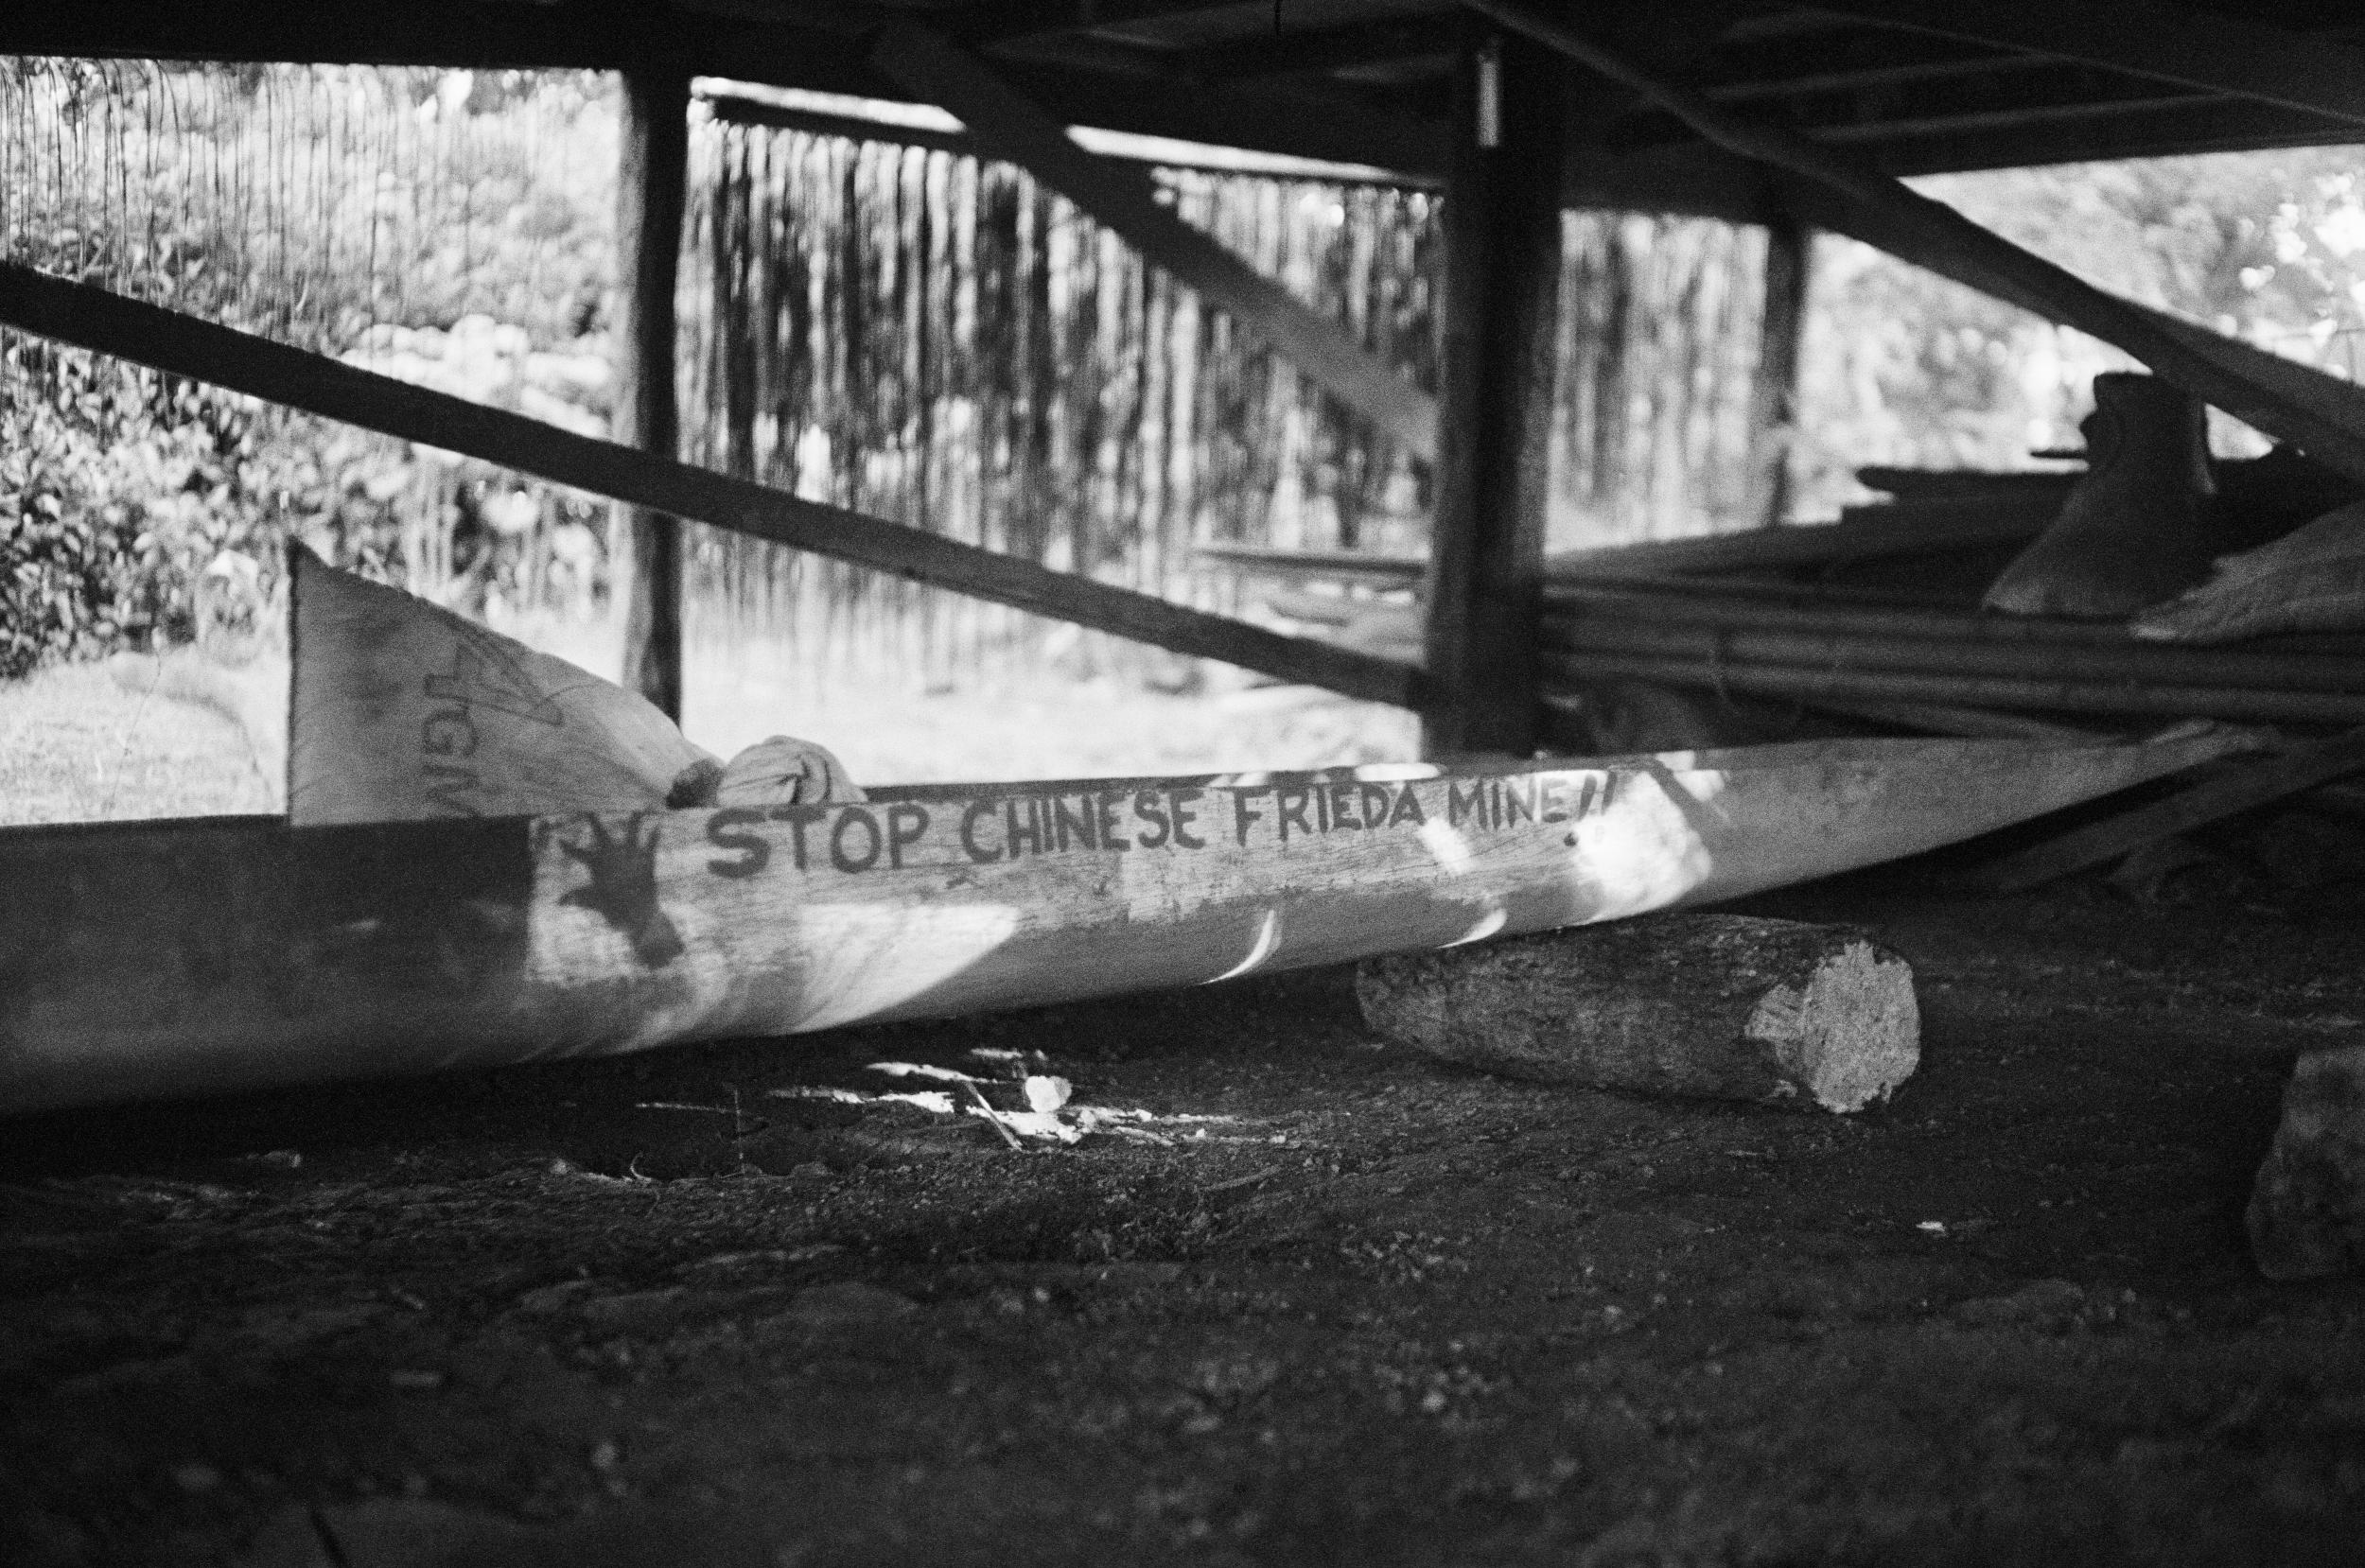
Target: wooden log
x=2323 y=417
x=2261 y=783
x=1495 y=381
x=1004 y=125
x=1810 y=683
x=182 y=958
x=645 y=546
x=184 y=346
x=2306 y=1212
x=1712 y=1006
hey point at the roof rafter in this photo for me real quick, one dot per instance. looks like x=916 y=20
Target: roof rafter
x=2213 y=51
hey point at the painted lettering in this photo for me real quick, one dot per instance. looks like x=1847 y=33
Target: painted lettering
x=1013 y=832
x=798 y=818
x=1241 y=815
x=854 y=816
x=1407 y=808
x=907 y=823
x=1289 y=803
x=1556 y=801
x=978 y=811
x=1082 y=824
x=1459 y=805
x=446 y=732
x=447 y=790
x=725 y=830
x=1107 y=812
x=1374 y=801
x=1321 y=808
x=1519 y=800
x=1179 y=802
x=1343 y=811
x=1148 y=807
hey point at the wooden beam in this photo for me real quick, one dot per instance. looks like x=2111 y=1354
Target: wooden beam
x=2217 y=52
x=2260 y=783
x=1325 y=49
x=179 y=344
x=1502 y=303
x=1774 y=384
x=2204 y=363
x=645 y=547
x=1126 y=199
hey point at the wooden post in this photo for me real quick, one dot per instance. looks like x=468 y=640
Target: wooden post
x=1774 y=391
x=1502 y=298
x=644 y=547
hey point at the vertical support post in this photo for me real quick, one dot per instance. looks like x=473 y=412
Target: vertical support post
x=1774 y=393
x=1500 y=329
x=644 y=547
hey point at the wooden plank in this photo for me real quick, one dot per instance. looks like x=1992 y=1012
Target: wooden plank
x=1645 y=627
x=1352 y=43
x=2260 y=783
x=180 y=344
x=1495 y=373
x=1812 y=684
x=2218 y=52
x=2209 y=366
x=1774 y=384
x=1921 y=528
x=1124 y=198
x=644 y=545
x=269 y=955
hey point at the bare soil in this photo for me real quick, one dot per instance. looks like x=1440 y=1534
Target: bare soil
x=1384 y=1311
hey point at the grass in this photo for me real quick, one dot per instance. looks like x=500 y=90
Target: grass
x=77 y=747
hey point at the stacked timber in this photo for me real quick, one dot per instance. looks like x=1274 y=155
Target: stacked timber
x=1817 y=648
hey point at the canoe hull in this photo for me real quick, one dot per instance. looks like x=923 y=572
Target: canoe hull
x=158 y=960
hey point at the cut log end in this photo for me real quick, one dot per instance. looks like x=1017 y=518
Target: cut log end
x=1721 y=1007
x=1850 y=1035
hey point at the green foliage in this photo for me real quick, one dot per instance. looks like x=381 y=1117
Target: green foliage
x=322 y=206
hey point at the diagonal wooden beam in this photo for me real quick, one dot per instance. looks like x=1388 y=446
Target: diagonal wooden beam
x=1005 y=125
x=180 y=344
x=2218 y=52
x=2261 y=783
x=2329 y=428
x=2324 y=399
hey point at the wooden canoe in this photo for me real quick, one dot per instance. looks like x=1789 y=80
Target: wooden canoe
x=202 y=957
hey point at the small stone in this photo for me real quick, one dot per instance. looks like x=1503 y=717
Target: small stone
x=196 y=1477
x=847 y=1302
x=2307 y=1215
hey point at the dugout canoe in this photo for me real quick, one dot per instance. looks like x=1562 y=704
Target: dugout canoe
x=141 y=961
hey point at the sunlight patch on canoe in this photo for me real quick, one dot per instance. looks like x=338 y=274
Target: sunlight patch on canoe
x=1268 y=939
x=1487 y=925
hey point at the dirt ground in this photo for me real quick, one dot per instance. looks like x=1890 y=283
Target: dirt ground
x=1368 y=1309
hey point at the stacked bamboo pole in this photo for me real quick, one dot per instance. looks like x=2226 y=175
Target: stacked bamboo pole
x=1772 y=644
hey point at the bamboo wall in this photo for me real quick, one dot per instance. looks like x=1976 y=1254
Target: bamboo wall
x=920 y=335
x=941 y=341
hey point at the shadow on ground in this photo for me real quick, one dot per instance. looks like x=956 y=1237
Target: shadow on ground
x=1368 y=1308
